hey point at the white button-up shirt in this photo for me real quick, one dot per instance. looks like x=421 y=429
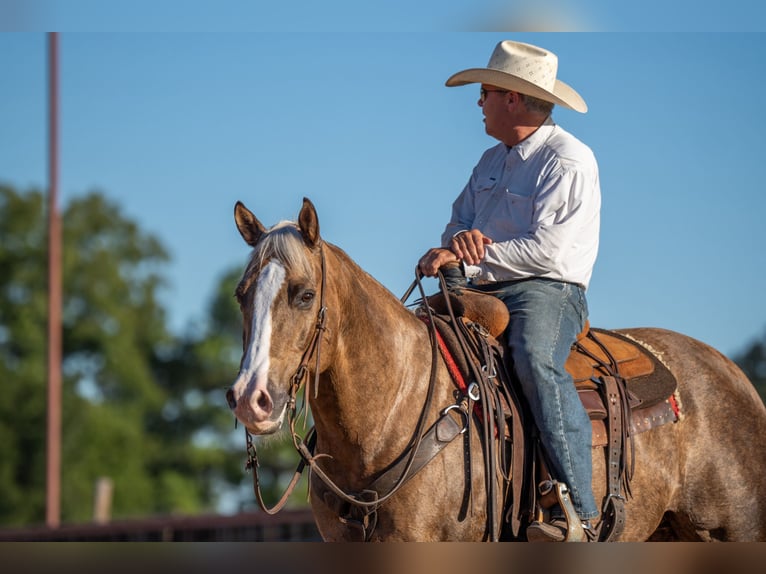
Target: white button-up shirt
x=539 y=202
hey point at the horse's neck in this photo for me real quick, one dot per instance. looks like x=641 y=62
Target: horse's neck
x=371 y=395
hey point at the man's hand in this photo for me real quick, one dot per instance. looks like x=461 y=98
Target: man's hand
x=469 y=246
x=435 y=258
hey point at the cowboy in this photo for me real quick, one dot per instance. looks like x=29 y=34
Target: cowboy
x=525 y=228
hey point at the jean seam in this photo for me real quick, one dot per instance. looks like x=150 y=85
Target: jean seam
x=566 y=454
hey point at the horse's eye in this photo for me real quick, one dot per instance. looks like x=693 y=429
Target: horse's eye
x=305 y=298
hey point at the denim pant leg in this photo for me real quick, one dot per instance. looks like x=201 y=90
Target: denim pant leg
x=546 y=317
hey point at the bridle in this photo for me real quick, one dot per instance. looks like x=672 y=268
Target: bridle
x=366 y=501
x=313 y=349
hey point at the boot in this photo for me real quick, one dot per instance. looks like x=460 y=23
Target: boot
x=557 y=530
x=565 y=525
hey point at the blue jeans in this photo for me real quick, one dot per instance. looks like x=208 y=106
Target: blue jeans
x=546 y=317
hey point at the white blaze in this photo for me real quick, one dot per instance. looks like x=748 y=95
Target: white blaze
x=255 y=366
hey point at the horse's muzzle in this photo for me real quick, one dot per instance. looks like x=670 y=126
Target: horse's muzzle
x=256 y=410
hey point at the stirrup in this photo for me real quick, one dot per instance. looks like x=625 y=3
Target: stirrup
x=575 y=531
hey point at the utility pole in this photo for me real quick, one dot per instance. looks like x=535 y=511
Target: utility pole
x=53 y=453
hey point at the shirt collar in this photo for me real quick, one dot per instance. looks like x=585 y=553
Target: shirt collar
x=531 y=144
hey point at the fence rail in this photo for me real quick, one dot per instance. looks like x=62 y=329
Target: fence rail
x=288 y=525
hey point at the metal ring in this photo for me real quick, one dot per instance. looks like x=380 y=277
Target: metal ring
x=462 y=412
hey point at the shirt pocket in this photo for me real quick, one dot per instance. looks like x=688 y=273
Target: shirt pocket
x=515 y=214
x=484 y=185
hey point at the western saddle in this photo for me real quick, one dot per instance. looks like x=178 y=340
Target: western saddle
x=624 y=387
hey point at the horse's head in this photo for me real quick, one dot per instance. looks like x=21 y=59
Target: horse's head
x=279 y=296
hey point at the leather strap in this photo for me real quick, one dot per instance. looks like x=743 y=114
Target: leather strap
x=619 y=446
x=613 y=511
x=364 y=517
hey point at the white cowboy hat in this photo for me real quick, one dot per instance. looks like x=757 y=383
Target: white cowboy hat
x=525 y=69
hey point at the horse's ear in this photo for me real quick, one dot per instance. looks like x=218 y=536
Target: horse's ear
x=249 y=227
x=308 y=223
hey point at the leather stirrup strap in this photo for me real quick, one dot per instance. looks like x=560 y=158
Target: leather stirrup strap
x=613 y=511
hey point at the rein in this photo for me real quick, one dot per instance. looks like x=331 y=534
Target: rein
x=368 y=500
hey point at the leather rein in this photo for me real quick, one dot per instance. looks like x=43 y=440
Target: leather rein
x=367 y=501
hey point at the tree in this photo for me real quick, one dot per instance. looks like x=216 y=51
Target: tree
x=22 y=356
x=753 y=362
x=140 y=405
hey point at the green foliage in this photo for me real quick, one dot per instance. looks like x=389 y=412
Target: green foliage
x=141 y=406
x=753 y=362
x=23 y=303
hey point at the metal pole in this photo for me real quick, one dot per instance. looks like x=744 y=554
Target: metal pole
x=53 y=454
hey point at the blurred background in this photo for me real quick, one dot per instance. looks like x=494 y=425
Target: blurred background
x=162 y=128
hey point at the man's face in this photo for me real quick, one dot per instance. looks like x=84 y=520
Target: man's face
x=493 y=102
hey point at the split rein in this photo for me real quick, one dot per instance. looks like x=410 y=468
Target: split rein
x=305 y=447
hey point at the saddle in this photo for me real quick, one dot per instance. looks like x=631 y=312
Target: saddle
x=624 y=387
x=600 y=353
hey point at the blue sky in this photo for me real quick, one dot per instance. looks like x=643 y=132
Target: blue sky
x=176 y=127
x=382 y=15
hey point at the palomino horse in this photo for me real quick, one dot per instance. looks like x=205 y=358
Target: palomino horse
x=311 y=314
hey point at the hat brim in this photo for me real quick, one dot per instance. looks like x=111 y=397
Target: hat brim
x=562 y=94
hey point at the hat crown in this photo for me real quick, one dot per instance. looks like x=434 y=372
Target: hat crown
x=531 y=63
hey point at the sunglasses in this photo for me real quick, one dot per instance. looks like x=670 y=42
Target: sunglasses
x=484 y=91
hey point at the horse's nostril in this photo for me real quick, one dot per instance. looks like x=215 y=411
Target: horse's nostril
x=230 y=399
x=264 y=401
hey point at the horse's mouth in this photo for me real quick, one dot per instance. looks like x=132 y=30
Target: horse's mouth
x=263 y=427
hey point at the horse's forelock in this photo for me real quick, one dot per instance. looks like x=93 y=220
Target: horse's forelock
x=284 y=243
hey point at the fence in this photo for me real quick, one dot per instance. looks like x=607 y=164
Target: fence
x=288 y=525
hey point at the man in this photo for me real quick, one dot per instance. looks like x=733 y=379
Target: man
x=525 y=227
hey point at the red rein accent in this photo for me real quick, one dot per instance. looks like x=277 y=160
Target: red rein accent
x=451 y=365
x=674 y=406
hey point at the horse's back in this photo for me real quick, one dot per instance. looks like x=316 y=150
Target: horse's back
x=711 y=463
